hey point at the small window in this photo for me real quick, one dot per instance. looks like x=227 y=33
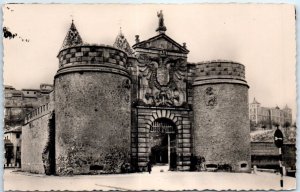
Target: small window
x=244 y=165
x=27 y=92
x=18 y=135
x=34 y=92
x=96 y=167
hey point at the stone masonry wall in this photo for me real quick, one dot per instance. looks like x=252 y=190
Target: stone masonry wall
x=35 y=138
x=265 y=155
x=222 y=131
x=221 y=124
x=93 y=122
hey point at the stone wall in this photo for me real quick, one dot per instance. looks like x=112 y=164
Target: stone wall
x=36 y=143
x=93 y=114
x=265 y=155
x=221 y=124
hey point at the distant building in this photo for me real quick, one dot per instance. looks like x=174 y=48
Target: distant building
x=266 y=117
x=17 y=104
x=20 y=102
x=12 y=146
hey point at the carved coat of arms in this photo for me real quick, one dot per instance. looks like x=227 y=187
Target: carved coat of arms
x=210 y=97
x=163 y=75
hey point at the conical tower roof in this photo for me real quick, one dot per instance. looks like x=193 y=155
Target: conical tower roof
x=122 y=43
x=255 y=102
x=72 y=38
x=286 y=107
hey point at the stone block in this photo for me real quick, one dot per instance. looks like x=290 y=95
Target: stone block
x=142 y=149
x=186 y=131
x=142 y=145
x=186 y=136
x=85 y=58
x=142 y=140
x=73 y=50
x=186 y=150
x=85 y=49
x=68 y=56
x=142 y=164
x=93 y=54
x=186 y=144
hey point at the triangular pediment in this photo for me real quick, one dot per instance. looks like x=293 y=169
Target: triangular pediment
x=161 y=42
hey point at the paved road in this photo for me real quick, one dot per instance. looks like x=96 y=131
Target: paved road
x=138 y=181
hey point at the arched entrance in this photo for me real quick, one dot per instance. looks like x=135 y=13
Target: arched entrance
x=162 y=143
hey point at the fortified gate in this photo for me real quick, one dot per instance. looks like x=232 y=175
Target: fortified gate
x=116 y=108
x=163 y=113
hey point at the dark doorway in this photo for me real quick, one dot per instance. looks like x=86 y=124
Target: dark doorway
x=159 y=152
x=162 y=143
x=9 y=155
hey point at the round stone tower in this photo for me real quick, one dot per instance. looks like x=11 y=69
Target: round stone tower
x=221 y=119
x=92 y=108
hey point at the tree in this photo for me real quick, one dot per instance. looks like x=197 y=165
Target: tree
x=264 y=123
x=286 y=124
x=275 y=124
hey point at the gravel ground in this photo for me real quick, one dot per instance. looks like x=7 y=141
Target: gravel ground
x=15 y=180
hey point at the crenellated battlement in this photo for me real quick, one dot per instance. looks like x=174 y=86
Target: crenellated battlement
x=219 y=71
x=38 y=112
x=100 y=58
x=91 y=54
x=220 y=68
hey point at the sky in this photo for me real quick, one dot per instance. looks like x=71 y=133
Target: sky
x=260 y=36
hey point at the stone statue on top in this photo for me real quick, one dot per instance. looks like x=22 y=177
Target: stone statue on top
x=161 y=26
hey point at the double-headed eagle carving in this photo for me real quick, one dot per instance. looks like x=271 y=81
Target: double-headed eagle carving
x=163 y=76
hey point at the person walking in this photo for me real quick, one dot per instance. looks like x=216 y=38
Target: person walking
x=8 y=156
x=149 y=165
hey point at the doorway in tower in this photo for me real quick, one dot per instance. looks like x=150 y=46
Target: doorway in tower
x=162 y=143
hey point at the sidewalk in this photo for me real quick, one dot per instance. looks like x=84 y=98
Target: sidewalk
x=157 y=180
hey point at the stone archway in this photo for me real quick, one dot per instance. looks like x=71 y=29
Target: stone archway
x=162 y=143
x=163 y=113
x=145 y=119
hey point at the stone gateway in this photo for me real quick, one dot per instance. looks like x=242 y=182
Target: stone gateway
x=116 y=108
